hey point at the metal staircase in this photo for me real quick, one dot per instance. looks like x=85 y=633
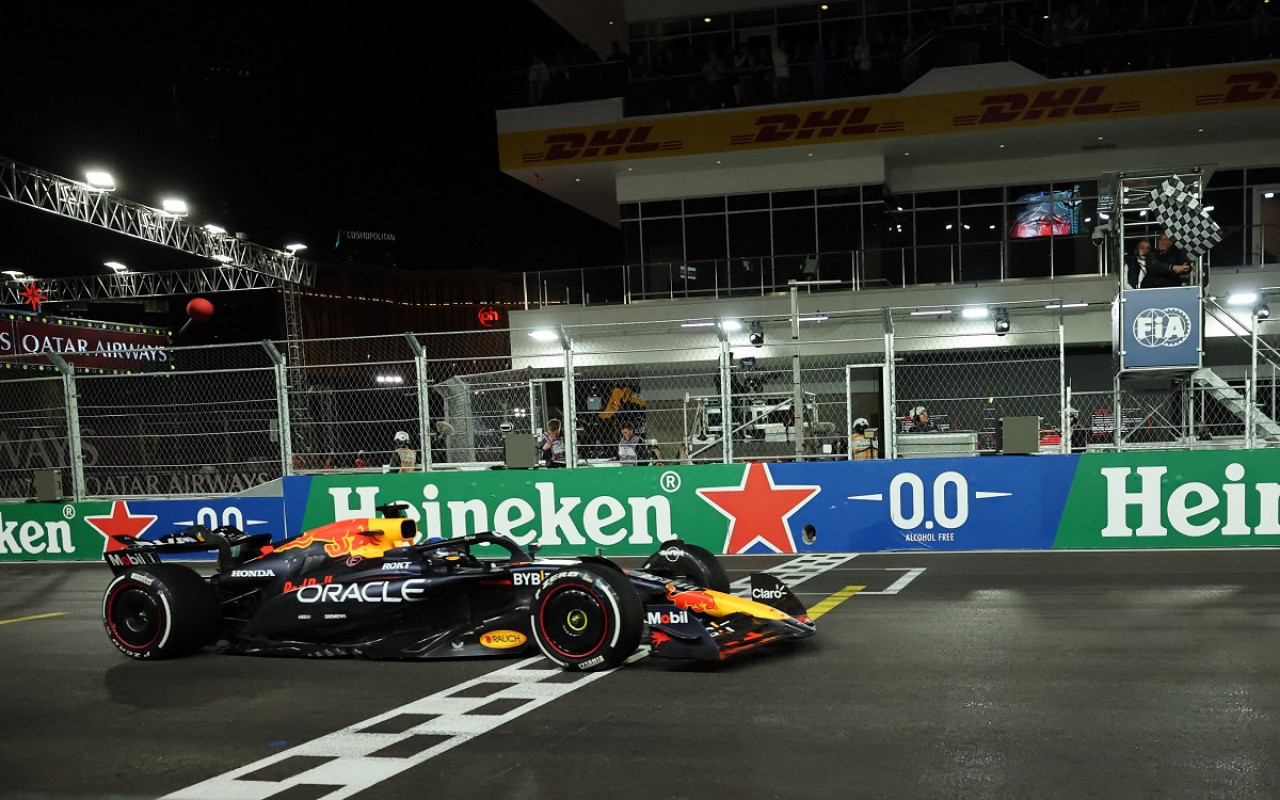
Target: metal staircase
x=1236 y=403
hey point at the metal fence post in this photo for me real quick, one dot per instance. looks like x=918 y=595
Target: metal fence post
x=889 y=442
x=1064 y=402
x=72 y=400
x=726 y=397
x=570 y=422
x=282 y=406
x=424 y=407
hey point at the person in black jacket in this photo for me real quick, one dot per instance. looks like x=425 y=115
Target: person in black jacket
x=1137 y=263
x=1170 y=266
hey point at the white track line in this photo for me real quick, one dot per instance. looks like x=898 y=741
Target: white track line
x=348 y=761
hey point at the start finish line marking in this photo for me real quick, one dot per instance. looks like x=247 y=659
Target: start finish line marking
x=346 y=762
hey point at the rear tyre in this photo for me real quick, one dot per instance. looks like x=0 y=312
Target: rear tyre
x=587 y=616
x=159 y=611
x=689 y=561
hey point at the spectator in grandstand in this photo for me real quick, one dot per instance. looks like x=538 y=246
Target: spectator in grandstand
x=1137 y=263
x=1202 y=433
x=632 y=448
x=1169 y=266
x=551 y=444
x=403 y=458
x=539 y=80
x=781 y=72
x=862 y=446
x=920 y=422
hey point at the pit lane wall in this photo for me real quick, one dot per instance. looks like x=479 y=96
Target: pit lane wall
x=1210 y=498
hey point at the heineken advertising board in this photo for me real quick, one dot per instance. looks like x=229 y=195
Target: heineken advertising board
x=1211 y=498
x=79 y=531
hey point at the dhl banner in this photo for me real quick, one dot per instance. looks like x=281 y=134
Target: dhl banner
x=1207 y=498
x=1111 y=97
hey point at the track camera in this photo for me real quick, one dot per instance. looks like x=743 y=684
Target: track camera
x=756 y=336
x=1002 y=322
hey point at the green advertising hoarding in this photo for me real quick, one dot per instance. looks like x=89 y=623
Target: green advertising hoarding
x=1204 y=498
x=625 y=511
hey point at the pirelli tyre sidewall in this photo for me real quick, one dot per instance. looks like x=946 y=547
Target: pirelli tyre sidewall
x=587 y=616
x=159 y=611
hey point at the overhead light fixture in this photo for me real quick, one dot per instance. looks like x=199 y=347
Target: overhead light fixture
x=975 y=312
x=1053 y=306
x=707 y=324
x=174 y=207
x=730 y=325
x=1262 y=311
x=544 y=335
x=115 y=266
x=756 y=336
x=14 y=274
x=1002 y=322
x=100 y=181
x=390 y=379
x=930 y=312
x=294 y=248
x=217 y=230
x=1242 y=298
x=814 y=318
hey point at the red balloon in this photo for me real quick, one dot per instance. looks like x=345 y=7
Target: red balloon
x=200 y=309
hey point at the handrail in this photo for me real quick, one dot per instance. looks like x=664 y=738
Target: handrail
x=1270 y=354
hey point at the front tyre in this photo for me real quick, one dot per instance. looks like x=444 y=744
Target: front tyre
x=690 y=562
x=159 y=611
x=587 y=616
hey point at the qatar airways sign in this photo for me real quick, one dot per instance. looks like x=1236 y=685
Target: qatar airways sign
x=26 y=340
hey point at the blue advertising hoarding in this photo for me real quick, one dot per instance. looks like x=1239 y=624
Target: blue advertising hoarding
x=1161 y=328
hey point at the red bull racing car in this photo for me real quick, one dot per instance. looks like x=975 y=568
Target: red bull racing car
x=365 y=588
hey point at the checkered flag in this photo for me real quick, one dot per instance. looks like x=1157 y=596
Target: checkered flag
x=1184 y=218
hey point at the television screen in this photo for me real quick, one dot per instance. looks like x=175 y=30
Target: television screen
x=1052 y=213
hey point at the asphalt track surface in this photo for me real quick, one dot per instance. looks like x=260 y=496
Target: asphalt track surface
x=994 y=675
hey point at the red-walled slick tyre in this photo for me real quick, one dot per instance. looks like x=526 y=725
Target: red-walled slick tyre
x=587 y=616
x=159 y=611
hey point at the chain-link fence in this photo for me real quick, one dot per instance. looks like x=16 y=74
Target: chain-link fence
x=968 y=369
x=222 y=419
x=209 y=426
x=34 y=435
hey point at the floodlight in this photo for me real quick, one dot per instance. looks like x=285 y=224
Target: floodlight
x=975 y=312
x=294 y=248
x=544 y=335
x=1242 y=298
x=174 y=207
x=100 y=181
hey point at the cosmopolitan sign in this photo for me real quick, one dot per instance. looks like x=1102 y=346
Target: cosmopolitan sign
x=26 y=341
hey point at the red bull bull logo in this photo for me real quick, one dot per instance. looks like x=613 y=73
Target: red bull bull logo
x=695 y=600
x=344 y=538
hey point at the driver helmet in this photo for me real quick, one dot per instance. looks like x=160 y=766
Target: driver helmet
x=860 y=424
x=402 y=438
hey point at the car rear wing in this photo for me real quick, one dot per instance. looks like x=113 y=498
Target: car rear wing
x=232 y=545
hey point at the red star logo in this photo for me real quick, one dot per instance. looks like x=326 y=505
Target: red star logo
x=120 y=522
x=758 y=510
x=33 y=296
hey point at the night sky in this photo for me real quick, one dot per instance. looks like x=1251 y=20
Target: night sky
x=288 y=129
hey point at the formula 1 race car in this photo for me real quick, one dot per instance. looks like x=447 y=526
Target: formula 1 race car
x=363 y=588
